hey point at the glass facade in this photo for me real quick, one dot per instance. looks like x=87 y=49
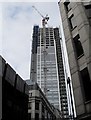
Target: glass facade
x=51 y=83
x=49 y=68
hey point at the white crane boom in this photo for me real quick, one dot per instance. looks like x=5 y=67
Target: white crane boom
x=38 y=11
x=45 y=19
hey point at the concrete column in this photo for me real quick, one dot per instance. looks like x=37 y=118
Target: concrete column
x=33 y=110
x=40 y=110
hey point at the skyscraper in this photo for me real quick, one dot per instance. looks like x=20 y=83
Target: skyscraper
x=47 y=66
x=76 y=19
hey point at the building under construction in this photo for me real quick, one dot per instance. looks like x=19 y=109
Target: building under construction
x=47 y=66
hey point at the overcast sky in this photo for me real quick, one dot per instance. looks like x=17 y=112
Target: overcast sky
x=18 y=19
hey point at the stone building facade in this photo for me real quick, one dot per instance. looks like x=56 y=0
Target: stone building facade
x=76 y=20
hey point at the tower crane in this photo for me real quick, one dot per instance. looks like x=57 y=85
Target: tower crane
x=44 y=22
x=44 y=19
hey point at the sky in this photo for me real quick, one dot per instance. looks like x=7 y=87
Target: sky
x=18 y=19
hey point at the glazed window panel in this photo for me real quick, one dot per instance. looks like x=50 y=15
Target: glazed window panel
x=72 y=22
x=36 y=105
x=67 y=6
x=86 y=83
x=78 y=46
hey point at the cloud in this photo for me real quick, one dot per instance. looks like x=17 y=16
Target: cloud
x=0 y=28
x=29 y=1
x=18 y=22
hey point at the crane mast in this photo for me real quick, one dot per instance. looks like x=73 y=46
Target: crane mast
x=44 y=22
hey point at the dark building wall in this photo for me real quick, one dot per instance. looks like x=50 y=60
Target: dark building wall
x=14 y=94
x=62 y=86
x=35 y=39
x=2 y=66
x=34 y=53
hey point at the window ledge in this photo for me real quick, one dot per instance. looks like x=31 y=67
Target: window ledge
x=80 y=56
x=73 y=28
x=87 y=102
x=69 y=10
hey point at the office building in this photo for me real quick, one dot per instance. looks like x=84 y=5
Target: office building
x=39 y=107
x=14 y=94
x=76 y=20
x=47 y=66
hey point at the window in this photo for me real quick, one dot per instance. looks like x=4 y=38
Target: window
x=86 y=83
x=36 y=116
x=43 y=118
x=29 y=116
x=29 y=105
x=78 y=46
x=36 y=105
x=9 y=103
x=72 y=22
x=43 y=108
x=90 y=21
x=67 y=6
x=88 y=12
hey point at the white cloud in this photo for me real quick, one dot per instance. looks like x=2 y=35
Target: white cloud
x=43 y=1
x=18 y=21
x=0 y=28
x=28 y=0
